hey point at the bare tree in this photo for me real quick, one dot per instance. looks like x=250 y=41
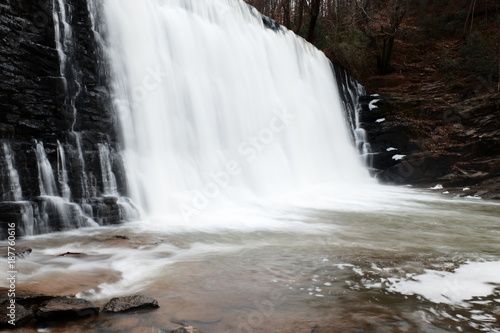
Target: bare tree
x=315 y=8
x=380 y=23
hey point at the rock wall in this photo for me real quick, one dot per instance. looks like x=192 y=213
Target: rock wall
x=452 y=147
x=53 y=94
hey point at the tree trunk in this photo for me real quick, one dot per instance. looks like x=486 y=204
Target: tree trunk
x=300 y=17
x=285 y=4
x=315 y=6
x=384 y=58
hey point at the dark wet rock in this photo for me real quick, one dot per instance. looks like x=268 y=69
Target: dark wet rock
x=36 y=103
x=121 y=237
x=19 y=251
x=451 y=144
x=128 y=303
x=25 y=298
x=59 y=309
x=18 y=317
x=419 y=168
x=186 y=329
x=135 y=241
x=73 y=254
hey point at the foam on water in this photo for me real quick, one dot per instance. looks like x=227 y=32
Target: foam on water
x=470 y=280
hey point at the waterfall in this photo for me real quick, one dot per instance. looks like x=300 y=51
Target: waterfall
x=351 y=92
x=108 y=177
x=213 y=106
x=81 y=160
x=51 y=204
x=47 y=182
x=62 y=30
x=62 y=172
x=12 y=190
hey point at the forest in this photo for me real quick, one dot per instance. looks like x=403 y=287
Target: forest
x=370 y=37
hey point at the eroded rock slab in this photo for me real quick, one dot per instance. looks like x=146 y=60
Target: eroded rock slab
x=62 y=308
x=128 y=303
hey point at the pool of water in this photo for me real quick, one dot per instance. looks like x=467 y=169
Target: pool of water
x=388 y=260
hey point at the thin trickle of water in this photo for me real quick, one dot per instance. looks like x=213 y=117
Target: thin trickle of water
x=62 y=32
x=360 y=135
x=46 y=178
x=94 y=15
x=128 y=211
x=84 y=177
x=108 y=177
x=64 y=40
x=15 y=192
x=51 y=206
x=27 y=226
x=352 y=91
x=62 y=172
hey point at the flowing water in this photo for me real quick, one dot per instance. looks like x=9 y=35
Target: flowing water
x=215 y=107
x=258 y=214
x=393 y=260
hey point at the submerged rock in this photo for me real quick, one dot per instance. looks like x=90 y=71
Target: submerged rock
x=77 y=254
x=127 y=303
x=66 y=309
x=186 y=329
x=19 y=252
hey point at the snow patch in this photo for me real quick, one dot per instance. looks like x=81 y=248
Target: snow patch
x=372 y=105
x=398 y=157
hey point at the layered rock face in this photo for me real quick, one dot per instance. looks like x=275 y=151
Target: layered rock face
x=455 y=145
x=59 y=164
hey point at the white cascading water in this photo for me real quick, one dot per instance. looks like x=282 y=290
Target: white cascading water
x=46 y=180
x=14 y=193
x=108 y=177
x=62 y=172
x=215 y=106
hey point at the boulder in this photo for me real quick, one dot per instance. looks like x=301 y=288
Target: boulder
x=127 y=303
x=62 y=308
x=22 y=316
